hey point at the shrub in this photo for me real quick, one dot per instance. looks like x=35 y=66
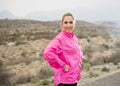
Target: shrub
x=45 y=82
x=45 y=72
x=23 y=79
x=106 y=36
x=97 y=59
x=20 y=43
x=86 y=66
x=1 y=63
x=4 y=76
x=35 y=80
x=88 y=51
x=20 y=60
x=93 y=74
x=39 y=82
x=105 y=69
x=115 y=62
x=118 y=67
x=116 y=57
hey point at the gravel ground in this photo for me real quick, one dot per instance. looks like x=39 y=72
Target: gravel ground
x=112 y=79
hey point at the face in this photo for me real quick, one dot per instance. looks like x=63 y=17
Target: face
x=68 y=23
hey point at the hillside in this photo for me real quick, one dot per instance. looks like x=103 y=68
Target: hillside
x=12 y=30
x=113 y=27
x=22 y=43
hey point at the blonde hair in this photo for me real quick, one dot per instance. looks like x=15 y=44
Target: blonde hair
x=67 y=14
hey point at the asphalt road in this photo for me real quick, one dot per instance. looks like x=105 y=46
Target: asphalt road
x=111 y=80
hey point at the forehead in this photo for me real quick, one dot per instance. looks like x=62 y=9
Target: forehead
x=68 y=18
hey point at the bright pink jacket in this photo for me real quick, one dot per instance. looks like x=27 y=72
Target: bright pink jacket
x=65 y=50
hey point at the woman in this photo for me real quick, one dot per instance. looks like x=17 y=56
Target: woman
x=64 y=54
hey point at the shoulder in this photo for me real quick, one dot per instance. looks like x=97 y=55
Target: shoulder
x=57 y=40
x=75 y=37
x=59 y=37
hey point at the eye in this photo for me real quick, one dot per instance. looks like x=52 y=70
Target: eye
x=71 y=22
x=65 y=22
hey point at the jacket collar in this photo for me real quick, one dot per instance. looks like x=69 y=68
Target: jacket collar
x=68 y=34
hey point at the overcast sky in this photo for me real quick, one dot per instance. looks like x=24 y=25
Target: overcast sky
x=88 y=9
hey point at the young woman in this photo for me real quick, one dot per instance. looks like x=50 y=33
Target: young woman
x=64 y=54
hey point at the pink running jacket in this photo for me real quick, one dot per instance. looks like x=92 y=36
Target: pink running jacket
x=65 y=49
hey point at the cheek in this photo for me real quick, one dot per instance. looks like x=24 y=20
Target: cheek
x=64 y=25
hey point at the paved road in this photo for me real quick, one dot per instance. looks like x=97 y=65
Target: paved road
x=111 y=80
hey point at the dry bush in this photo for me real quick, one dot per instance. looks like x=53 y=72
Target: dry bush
x=4 y=76
x=45 y=82
x=93 y=74
x=116 y=57
x=16 y=61
x=86 y=66
x=3 y=43
x=25 y=73
x=1 y=63
x=21 y=78
x=97 y=59
x=112 y=56
x=88 y=51
x=105 y=57
x=39 y=35
x=117 y=44
x=106 y=36
x=105 y=69
x=118 y=67
x=35 y=80
x=45 y=72
x=20 y=43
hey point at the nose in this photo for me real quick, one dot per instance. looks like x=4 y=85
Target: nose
x=68 y=24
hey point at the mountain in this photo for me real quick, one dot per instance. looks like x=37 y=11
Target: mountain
x=46 y=28
x=113 y=27
x=40 y=15
x=45 y=15
x=6 y=14
x=109 y=24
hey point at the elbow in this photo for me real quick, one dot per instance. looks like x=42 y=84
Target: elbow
x=49 y=56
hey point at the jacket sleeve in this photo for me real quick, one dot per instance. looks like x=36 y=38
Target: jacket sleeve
x=51 y=54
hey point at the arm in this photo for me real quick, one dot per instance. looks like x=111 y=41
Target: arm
x=51 y=54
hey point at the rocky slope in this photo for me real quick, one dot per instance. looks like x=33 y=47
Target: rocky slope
x=22 y=43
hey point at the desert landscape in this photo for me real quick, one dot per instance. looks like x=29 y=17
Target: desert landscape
x=22 y=43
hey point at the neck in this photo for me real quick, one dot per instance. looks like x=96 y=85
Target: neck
x=69 y=31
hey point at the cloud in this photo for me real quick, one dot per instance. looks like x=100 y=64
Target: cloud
x=86 y=9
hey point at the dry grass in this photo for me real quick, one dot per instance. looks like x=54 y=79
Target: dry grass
x=45 y=72
x=21 y=50
x=4 y=76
